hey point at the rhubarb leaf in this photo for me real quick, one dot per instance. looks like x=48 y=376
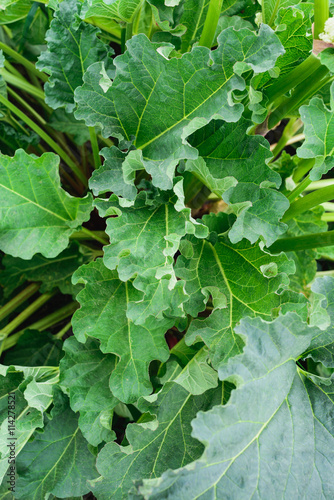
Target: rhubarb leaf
x=84 y=376
x=146 y=81
x=319 y=135
x=234 y=166
x=58 y=460
x=273 y=398
x=152 y=447
x=36 y=214
x=104 y=302
x=72 y=48
x=52 y=273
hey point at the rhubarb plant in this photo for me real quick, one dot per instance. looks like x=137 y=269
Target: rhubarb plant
x=167 y=247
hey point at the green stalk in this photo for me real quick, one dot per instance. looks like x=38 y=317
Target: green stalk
x=309 y=201
x=62 y=332
x=320 y=184
x=303 y=167
x=328 y=217
x=108 y=142
x=15 y=302
x=289 y=131
x=210 y=24
x=304 y=242
x=26 y=105
x=22 y=84
x=37 y=304
x=300 y=94
x=86 y=234
x=13 y=70
x=299 y=189
x=289 y=81
x=321 y=14
x=41 y=325
x=45 y=137
x=22 y=60
x=95 y=147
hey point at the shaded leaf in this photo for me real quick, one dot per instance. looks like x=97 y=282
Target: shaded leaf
x=84 y=375
x=153 y=446
x=35 y=349
x=52 y=273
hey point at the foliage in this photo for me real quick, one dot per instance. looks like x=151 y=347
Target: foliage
x=166 y=330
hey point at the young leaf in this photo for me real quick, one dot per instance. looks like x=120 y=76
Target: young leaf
x=273 y=398
x=72 y=48
x=234 y=165
x=104 y=302
x=84 y=375
x=120 y=10
x=58 y=460
x=319 y=132
x=144 y=239
x=52 y=273
x=145 y=80
x=153 y=447
x=36 y=214
x=35 y=348
x=271 y=7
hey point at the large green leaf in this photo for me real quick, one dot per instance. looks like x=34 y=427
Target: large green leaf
x=36 y=214
x=234 y=165
x=164 y=443
x=319 y=135
x=120 y=10
x=148 y=88
x=271 y=438
x=57 y=461
x=84 y=375
x=72 y=48
x=104 y=302
x=52 y=273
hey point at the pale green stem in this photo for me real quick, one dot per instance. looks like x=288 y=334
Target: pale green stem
x=62 y=332
x=45 y=137
x=37 y=304
x=299 y=189
x=15 y=302
x=22 y=84
x=22 y=60
x=42 y=324
x=95 y=147
x=321 y=14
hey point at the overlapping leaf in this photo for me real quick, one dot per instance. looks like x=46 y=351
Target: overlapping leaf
x=104 y=302
x=248 y=277
x=153 y=447
x=233 y=165
x=273 y=398
x=187 y=92
x=85 y=374
x=72 y=48
x=58 y=460
x=35 y=348
x=52 y=273
x=36 y=214
x=144 y=239
x=120 y=10
x=319 y=135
